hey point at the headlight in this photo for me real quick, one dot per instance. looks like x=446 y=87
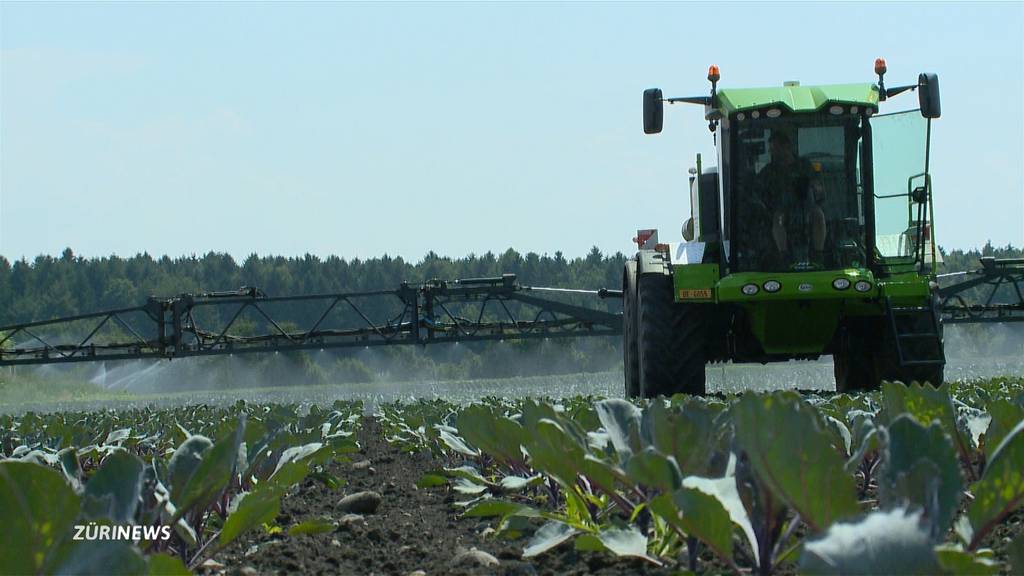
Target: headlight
x=772 y=286
x=750 y=289
x=862 y=286
x=841 y=283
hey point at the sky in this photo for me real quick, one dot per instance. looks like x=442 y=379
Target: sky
x=360 y=129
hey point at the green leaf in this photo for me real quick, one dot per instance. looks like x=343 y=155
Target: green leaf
x=166 y=565
x=468 y=472
x=514 y=483
x=651 y=468
x=311 y=527
x=103 y=557
x=865 y=440
x=297 y=454
x=456 y=443
x=555 y=452
x=118 y=436
x=1016 y=553
x=37 y=510
x=184 y=462
x=954 y=560
x=791 y=452
x=1005 y=415
x=329 y=480
x=621 y=421
x=71 y=467
x=113 y=491
x=256 y=508
x=500 y=437
x=431 y=481
x=547 y=537
x=490 y=508
x=686 y=432
x=626 y=542
x=841 y=432
x=919 y=466
x=892 y=542
x=213 y=473
x=589 y=543
x=699 y=515
x=464 y=486
x=926 y=404
x=1001 y=490
x=725 y=492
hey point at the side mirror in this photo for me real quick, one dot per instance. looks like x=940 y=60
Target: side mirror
x=928 y=95
x=654 y=111
x=688 y=230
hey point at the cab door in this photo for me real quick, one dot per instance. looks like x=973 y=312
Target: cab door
x=902 y=191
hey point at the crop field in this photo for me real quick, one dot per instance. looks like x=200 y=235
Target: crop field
x=910 y=479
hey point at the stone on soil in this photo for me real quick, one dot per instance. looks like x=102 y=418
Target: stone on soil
x=349 y=519
x=360 y=503
x=474 y=557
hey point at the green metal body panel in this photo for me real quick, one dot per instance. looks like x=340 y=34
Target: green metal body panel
x=794 y=326
x=816 y=285
x=908 y=289
x=695 y=282
x=802 y=317
x=797 y=98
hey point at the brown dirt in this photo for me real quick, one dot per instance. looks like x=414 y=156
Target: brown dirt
x=414 y=529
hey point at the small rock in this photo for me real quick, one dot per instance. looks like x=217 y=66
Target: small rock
x=248 y=571
x=335 y=543
x=361 y=465
x=371 y=470
x=360 y=503
x=417 y=573
x=211 y=565
x=487 y=532
x=474 y=557
x=349 y=519
x=252 y=550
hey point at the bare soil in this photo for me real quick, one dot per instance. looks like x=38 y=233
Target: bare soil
x=414 y=529
x=421 y=529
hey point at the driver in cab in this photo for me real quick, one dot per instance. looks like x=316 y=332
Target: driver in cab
x=791 y=187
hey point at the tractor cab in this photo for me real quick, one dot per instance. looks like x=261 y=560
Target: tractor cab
x=813 y=178
x=811 y=235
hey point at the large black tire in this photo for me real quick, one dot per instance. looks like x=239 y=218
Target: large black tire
x=630 y=359
x=670 y=339
x=853 y=363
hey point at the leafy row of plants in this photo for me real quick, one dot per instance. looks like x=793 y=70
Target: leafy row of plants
x=155 y=491
x=912 y=479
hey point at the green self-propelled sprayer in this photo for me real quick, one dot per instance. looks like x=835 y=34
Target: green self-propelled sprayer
x=812 y=235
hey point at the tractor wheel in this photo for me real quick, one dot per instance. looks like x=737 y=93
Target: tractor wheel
x=852 y=360
x=670 y=338
x=630 y=360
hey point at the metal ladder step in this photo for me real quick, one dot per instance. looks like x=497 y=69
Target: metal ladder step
x=931 y=355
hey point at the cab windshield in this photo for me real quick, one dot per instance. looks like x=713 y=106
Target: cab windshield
x=799 y=201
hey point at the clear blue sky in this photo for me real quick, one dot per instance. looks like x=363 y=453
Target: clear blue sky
x=363 y=129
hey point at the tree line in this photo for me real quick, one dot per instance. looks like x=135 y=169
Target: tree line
x=51 y=287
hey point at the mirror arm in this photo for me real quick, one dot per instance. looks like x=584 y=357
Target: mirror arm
x=705 y=100
x=890 y=92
